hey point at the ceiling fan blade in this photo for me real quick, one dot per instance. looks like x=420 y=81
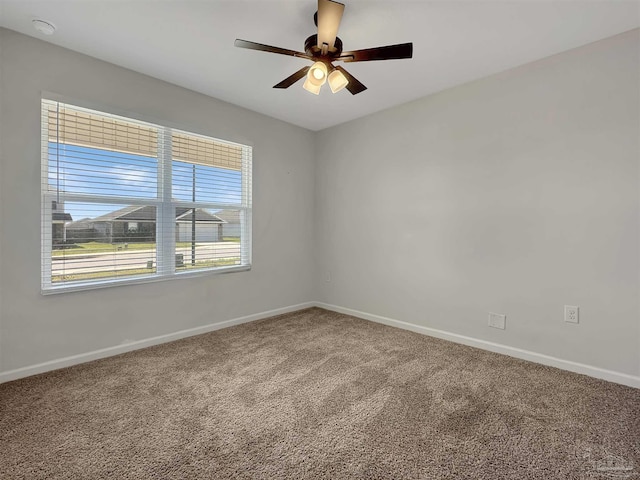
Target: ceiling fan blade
x=290 y=80
x=329 y=16
x=354 y=85
x=269 y=48
x=390 y=52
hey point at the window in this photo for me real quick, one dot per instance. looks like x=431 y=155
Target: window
x=125 y=201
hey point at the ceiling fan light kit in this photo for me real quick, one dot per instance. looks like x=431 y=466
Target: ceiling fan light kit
x=337 y=81
x=309 y=86
x=324 y=48
x=318 y=73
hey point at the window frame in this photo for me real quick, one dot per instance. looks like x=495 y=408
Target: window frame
x=164 y=203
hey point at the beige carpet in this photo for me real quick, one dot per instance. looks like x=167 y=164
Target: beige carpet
x=315 y=394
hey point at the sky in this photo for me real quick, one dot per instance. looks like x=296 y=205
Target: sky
x=76 y=169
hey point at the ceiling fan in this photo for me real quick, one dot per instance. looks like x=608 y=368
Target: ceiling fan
x=324 y=48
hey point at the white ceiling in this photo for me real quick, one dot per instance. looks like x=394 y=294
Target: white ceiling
x=190 y=43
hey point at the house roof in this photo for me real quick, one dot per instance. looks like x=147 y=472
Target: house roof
x=201 y=216
x=80 y=224
x=61 y=217
x=146 y=213
x=229 y=216
x=132 y=214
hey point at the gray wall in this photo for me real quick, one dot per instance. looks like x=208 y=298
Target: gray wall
x=516 y=194
x=36 y=328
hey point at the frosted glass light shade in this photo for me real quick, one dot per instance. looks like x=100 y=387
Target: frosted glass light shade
x=310 y=87
x=337 y=81
x=317 y=73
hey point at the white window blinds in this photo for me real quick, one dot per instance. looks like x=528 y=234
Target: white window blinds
x=127 y=201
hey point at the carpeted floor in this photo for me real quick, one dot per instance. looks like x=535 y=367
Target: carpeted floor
x=316 y=394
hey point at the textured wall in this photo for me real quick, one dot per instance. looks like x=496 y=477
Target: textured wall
x=36 y=328
x=517 y=194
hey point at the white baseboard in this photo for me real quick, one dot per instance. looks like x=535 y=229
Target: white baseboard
x=611 y=376
x=148 y=342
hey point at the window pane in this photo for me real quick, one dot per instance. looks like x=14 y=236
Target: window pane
x=100 y=241
x=106 y=199
x=208 y=239
x=199 y=183
x=94 y=171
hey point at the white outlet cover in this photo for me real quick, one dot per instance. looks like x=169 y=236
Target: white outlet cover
x=571 y=314
x=497 y=320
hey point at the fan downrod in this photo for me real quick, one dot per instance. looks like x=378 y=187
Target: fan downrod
x=311 y=47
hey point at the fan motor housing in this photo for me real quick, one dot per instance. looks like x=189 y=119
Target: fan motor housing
x=311 y=47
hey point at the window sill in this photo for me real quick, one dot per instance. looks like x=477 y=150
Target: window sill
x=81 y=286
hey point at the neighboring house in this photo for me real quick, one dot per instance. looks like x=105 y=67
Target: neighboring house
x=59 y=218
x=231 y=225
x=138 y=224
x=207 y=227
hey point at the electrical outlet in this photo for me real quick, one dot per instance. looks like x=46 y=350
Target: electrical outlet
x=327 y=277
x=497 y=320
x=571 y=314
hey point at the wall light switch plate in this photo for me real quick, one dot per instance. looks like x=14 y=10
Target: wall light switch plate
x=497 y=320
x=571 y=314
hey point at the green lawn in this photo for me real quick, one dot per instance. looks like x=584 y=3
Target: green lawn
x=105 y=274
x=97 y=247
x=220 y=262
